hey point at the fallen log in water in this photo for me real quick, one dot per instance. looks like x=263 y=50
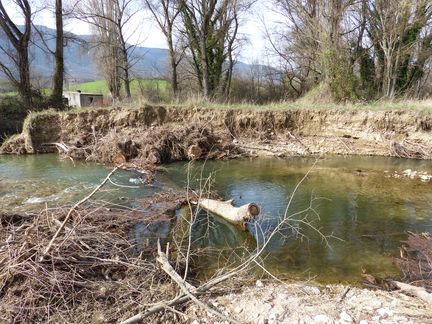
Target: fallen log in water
x=235 y=215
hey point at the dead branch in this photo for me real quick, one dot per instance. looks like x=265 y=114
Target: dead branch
x=186 y=294
x=184 y=285
x=411 y=150
x=418 y=292
x=47 y=249
x=298 y=140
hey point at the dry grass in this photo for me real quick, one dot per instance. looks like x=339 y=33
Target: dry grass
x=305 y=103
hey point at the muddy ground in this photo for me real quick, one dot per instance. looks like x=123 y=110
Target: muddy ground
x=153 y=135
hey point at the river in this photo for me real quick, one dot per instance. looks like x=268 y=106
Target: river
x=356 y=212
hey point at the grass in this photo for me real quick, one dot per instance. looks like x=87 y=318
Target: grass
x=379 y=105
x=137 y=86
x=145 y=90
x=100 y=86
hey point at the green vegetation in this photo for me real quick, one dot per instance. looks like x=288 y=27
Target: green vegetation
x=138 y=87
x=12 y=115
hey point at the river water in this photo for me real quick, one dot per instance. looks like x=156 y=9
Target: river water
x=347 y=216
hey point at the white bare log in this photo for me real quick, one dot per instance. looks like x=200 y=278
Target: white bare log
x=61 y=146
x=418 y=292
x=225 y=209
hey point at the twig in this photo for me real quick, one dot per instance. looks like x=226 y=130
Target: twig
x=69 y=214
x=185 y=286
x=186 y=296
x=298 y=140
x=345 y=292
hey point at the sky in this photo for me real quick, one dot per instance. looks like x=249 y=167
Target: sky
x=144 y=32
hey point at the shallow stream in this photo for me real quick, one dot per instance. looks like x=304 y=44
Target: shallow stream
x=355 y=202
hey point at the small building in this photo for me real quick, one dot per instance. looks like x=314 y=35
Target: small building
x=77 y=99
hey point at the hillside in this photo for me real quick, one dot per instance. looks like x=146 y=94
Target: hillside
x=79 y=63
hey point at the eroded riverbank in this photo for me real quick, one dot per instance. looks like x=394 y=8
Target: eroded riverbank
x=156 y=134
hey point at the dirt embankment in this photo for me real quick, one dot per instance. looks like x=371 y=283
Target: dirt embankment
x=158 y=134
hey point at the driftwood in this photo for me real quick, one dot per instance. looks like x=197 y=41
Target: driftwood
x=415 y=260
x=418 y=292
x=188 y=292
x=411 y=150
x=235 y=215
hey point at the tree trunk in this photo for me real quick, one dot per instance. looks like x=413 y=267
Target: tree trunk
x=19 y=42
x=235 y=215
x=205 y=71
x=127 y=82
x=57 y=95
x=25 y=90
x=125 y=66
x=174 y=78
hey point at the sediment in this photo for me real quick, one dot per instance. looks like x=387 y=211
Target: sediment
x=158 y=134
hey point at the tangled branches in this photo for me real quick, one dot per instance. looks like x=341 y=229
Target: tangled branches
x=416 y=260
x=411 y=150
x=161 y=144
x=93 y=264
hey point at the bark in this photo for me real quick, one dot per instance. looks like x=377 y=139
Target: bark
x=57 y=95
x=235 y=215
x=20 y=43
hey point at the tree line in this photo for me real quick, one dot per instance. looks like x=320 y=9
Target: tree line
x=360 y=49
x=350 y=49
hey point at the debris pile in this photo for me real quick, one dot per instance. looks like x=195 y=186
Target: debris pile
x=416 y=260
x=93 y=264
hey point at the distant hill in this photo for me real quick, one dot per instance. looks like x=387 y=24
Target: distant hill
x=79 y=63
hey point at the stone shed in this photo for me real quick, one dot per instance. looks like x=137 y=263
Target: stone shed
x=78 y=99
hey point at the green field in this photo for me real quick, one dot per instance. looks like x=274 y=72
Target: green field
x=137 y=87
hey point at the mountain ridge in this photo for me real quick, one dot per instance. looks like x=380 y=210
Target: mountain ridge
x=79 y=63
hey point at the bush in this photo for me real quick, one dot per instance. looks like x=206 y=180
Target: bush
x=12 y=115
x=340 y=77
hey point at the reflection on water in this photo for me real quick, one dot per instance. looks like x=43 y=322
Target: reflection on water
x=367 y=213
x=28 y=182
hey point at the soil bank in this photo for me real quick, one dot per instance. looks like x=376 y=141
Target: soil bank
x=158 y=134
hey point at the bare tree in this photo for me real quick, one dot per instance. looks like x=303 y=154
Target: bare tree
x=18 y=54
x=211 y=30
x=311 y=39
x=110 y=19
x=166 y=14
x=401 y=34
x=57 y=94
x=365 y=47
